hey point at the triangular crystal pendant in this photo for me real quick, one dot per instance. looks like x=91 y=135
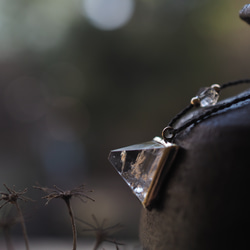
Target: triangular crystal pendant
x=144 y=166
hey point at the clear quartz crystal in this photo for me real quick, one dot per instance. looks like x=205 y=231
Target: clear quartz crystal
x=142 y=166
x=208 y=97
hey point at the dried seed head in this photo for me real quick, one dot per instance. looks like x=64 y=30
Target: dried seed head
x=56 y=192
x=102 y=233
x=12 y=196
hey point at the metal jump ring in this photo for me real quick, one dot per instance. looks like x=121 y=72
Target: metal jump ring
x=168 y=133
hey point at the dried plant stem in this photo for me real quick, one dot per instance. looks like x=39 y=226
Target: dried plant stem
x=73 y=223
x=66 y=195
x=97 y=244
x=7 y=238
x=25 y=235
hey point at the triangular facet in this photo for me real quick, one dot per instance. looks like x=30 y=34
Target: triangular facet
x=143 y=166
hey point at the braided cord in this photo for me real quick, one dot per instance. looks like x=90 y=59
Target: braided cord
x=180 y=114
x=228 y=84
x=208 y=113
x=169 y=132
x=190 y=106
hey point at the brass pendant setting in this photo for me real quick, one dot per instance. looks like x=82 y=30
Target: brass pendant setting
x=144 y=167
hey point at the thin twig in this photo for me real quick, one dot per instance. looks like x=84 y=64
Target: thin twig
x=6 y=232
x=12 y=197
x=73 y=223
x=56 y=192
x=25 y=235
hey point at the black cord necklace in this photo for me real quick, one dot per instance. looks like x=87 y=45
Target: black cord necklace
x=205 y=98
x=144 y=166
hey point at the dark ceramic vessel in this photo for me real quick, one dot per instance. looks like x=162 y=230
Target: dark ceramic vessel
x=204 y=203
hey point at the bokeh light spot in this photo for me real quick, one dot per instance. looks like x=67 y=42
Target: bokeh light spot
x=108 y=14
x=62 y=157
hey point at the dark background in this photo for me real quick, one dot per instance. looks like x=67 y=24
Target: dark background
x=73 y=88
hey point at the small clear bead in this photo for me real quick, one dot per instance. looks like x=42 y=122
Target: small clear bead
x=208 y=97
